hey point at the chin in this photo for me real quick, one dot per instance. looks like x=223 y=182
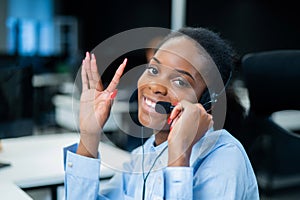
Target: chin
x=154 y=122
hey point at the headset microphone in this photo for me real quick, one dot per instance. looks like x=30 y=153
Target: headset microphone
x=163 y=107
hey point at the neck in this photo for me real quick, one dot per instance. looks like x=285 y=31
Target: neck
x=160 y=137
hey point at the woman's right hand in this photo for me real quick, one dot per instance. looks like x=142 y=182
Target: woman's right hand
x=95 y=104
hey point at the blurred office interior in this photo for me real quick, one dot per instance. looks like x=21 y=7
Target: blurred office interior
x=42 y=44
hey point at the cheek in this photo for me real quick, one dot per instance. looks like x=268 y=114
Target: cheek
x=188 y=95
x=143 y=80
x=140 y=85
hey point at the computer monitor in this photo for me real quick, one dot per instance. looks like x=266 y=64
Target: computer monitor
x=16 y=98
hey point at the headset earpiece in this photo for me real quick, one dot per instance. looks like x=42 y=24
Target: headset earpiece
x=206 y=100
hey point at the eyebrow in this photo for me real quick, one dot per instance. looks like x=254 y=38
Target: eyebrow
x=178 y=70
x=156 y=60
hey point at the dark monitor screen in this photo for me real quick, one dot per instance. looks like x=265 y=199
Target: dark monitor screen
x=16 y=98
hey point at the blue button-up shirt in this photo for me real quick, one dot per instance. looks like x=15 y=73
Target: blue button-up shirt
x=220 y=169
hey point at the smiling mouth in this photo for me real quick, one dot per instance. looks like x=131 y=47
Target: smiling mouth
x=150 y=104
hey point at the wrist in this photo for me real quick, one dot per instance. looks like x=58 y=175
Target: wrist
x=181 y=160
x=88 y=146
x=81 y=150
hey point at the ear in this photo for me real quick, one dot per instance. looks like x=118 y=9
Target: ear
x=133 y=107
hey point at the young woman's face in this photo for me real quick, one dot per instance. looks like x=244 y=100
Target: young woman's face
x=172 y=75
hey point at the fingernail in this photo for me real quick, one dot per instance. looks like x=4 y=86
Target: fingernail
x=125 y=61
x=114 y=94
x=169 y=120
x=171 y=128
x=175 y=104
x=93 y=56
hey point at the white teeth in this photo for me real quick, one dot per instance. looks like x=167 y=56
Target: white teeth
x=150 y=103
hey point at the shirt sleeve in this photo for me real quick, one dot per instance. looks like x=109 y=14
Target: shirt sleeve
x=225 y=174
x=81 y=175
x=178 y=183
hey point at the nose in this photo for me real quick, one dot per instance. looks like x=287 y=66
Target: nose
x=158 y=89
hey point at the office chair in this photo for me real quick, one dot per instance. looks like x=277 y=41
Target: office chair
x=272 y=79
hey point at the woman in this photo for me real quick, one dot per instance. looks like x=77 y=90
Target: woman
x=184 y=158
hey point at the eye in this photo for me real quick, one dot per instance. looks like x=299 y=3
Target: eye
x=181 y=82
x=152 y=69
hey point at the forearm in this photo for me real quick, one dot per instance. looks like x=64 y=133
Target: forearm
x=178 y=157
x=180 y=161
x=88 y=145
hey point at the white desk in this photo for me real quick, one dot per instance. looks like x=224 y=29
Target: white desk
x=67 y=113
x=37 y=161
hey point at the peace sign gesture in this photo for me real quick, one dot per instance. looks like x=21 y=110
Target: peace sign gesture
x=95 y=104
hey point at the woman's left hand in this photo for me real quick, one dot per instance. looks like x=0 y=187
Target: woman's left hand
x=189 y=123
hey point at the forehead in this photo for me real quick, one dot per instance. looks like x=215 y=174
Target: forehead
x=188 y=50
x=183 y=52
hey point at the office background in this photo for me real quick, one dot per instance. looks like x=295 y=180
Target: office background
x=51 y=36
x=252 y=25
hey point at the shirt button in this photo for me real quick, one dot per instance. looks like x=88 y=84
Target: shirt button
x=70 y=164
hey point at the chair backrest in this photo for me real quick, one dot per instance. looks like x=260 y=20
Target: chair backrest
x=273 y=80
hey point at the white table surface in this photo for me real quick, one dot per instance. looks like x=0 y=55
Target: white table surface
x=11 y=191
x=38 y=161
